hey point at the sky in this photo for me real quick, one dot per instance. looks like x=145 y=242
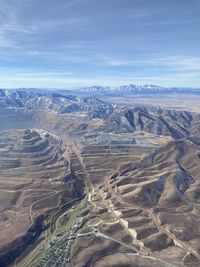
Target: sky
x=78 y=43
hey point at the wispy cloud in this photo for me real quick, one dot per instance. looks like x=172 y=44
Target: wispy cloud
x=48 y=43
x=179 y=63
x=10 y=23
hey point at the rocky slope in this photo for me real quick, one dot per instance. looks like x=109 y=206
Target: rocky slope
x=177 y=124
x=146 y=213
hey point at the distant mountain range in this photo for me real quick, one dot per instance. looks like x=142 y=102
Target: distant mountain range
x=121 y=90
x=135 y=89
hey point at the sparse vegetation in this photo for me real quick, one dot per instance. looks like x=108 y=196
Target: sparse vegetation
x=98 y=184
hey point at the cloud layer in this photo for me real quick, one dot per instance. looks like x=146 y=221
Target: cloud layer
x=64 y=44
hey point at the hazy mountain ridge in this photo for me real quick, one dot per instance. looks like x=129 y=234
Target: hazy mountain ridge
x=135 y=89
x=107 y=90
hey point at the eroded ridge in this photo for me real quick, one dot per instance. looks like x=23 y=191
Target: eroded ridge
x=146 y=213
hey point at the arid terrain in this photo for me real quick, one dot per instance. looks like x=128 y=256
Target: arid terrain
x=86 y=182
x=173 y=101
x=36 y=185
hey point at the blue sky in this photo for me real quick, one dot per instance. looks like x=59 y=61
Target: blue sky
x=75 y=43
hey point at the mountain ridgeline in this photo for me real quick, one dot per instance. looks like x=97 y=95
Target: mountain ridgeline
x=131 y=89
x=115 y=118
x=177 y=124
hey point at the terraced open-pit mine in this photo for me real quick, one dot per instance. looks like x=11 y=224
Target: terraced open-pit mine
x=91 y=184
x=37 y=183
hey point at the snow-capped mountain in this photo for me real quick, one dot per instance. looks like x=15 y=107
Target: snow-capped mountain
x=53 y=101
x=132 y=89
